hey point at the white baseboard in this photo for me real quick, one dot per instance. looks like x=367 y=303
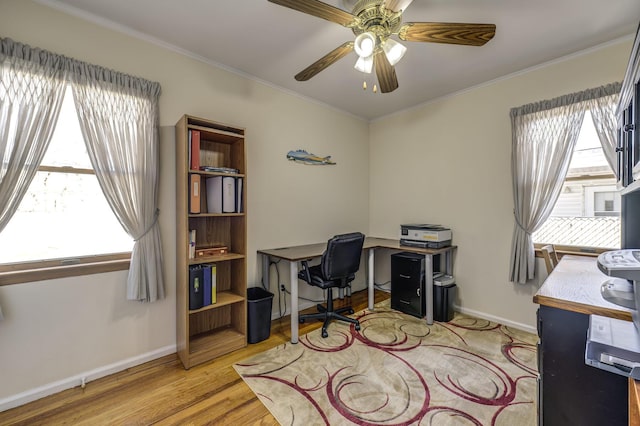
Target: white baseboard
x=503 y=321
x=86 y=377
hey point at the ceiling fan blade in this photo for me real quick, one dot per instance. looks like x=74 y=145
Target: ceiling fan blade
x=319 y=9
x=386 y=73
x=447 y=32
x=397 y=5
x=322 y=63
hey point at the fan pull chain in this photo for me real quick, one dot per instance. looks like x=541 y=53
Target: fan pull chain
x=375 y=87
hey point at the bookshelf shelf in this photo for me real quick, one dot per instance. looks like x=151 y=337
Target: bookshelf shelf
x=215 y=259
x=215 y=329
x=224 y=298
x=215 y=343
x=216 y=214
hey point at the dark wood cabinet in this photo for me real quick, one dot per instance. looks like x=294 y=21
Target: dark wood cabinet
x=628 y=119
x=628 y=150
x=570 y=391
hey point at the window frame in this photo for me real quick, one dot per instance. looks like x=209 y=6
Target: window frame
x=590 y=202
x=22 y=272
x=47 y=269
x=562 y=250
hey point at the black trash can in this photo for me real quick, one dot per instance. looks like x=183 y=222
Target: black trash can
x=444 y=291
x=259 y=314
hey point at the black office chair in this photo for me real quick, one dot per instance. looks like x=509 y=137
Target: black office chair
x=340 y=262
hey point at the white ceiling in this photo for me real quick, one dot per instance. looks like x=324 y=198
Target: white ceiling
x=272 y=43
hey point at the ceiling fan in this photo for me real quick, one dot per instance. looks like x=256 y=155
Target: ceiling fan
x=373 y=22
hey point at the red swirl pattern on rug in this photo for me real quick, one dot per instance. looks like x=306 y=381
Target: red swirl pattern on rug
x=397 y=370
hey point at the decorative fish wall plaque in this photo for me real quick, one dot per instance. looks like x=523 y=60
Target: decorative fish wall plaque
x=304 y=157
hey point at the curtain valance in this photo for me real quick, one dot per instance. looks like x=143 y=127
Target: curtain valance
x=573 y=98
x=75 y=70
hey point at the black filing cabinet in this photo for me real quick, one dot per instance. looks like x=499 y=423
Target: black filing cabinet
x=407 y=282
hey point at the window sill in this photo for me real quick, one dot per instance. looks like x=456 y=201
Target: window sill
x=562 y=250
x=11 y=274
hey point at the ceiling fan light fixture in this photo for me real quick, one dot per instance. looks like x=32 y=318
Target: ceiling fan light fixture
x=393 y=50
x=373 y=22
x=364 y=64
x=365 y=44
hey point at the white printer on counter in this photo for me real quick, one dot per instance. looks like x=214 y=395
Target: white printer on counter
x=614 y=345
x=425 y=236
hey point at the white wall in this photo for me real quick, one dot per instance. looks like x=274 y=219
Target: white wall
x=448 y=162
x=57 y=331
x=445 y=162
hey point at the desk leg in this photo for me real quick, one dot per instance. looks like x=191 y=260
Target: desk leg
x=265 y=271
x=370 y=277
x=428 y=266
x=293 y=279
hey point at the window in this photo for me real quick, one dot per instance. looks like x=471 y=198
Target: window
x=587 y=212
x=64 y=215
x=602 y=200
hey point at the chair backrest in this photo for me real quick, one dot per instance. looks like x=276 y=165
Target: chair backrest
x=550 y=257
x=341 y=259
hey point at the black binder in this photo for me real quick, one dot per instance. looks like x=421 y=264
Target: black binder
x=196 y=287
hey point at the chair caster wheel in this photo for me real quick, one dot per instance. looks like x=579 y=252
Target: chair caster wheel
x=350 y=311
x=301 y=320
x=325 y=334
x=357 y=327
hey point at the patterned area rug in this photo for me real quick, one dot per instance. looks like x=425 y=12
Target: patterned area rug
x=397 y=370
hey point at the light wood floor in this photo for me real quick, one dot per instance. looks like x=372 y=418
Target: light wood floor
x=161 y=392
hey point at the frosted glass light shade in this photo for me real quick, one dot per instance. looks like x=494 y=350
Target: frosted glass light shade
x=393 y=50
x=365 y=44
x=364 y=64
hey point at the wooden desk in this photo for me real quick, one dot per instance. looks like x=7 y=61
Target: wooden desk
x=574 y=285
x=309 y=251
x=571 y=392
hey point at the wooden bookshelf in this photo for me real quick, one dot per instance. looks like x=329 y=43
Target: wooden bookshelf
x=213 y=330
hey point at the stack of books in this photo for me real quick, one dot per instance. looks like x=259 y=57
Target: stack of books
x=202 y=286
x=219 y=169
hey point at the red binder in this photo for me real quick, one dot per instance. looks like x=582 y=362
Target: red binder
x=195 y=150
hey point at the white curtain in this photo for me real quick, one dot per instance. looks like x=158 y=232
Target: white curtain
x=31 y=91
x=603 y=112
x=118 y=116
x=544 y=135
